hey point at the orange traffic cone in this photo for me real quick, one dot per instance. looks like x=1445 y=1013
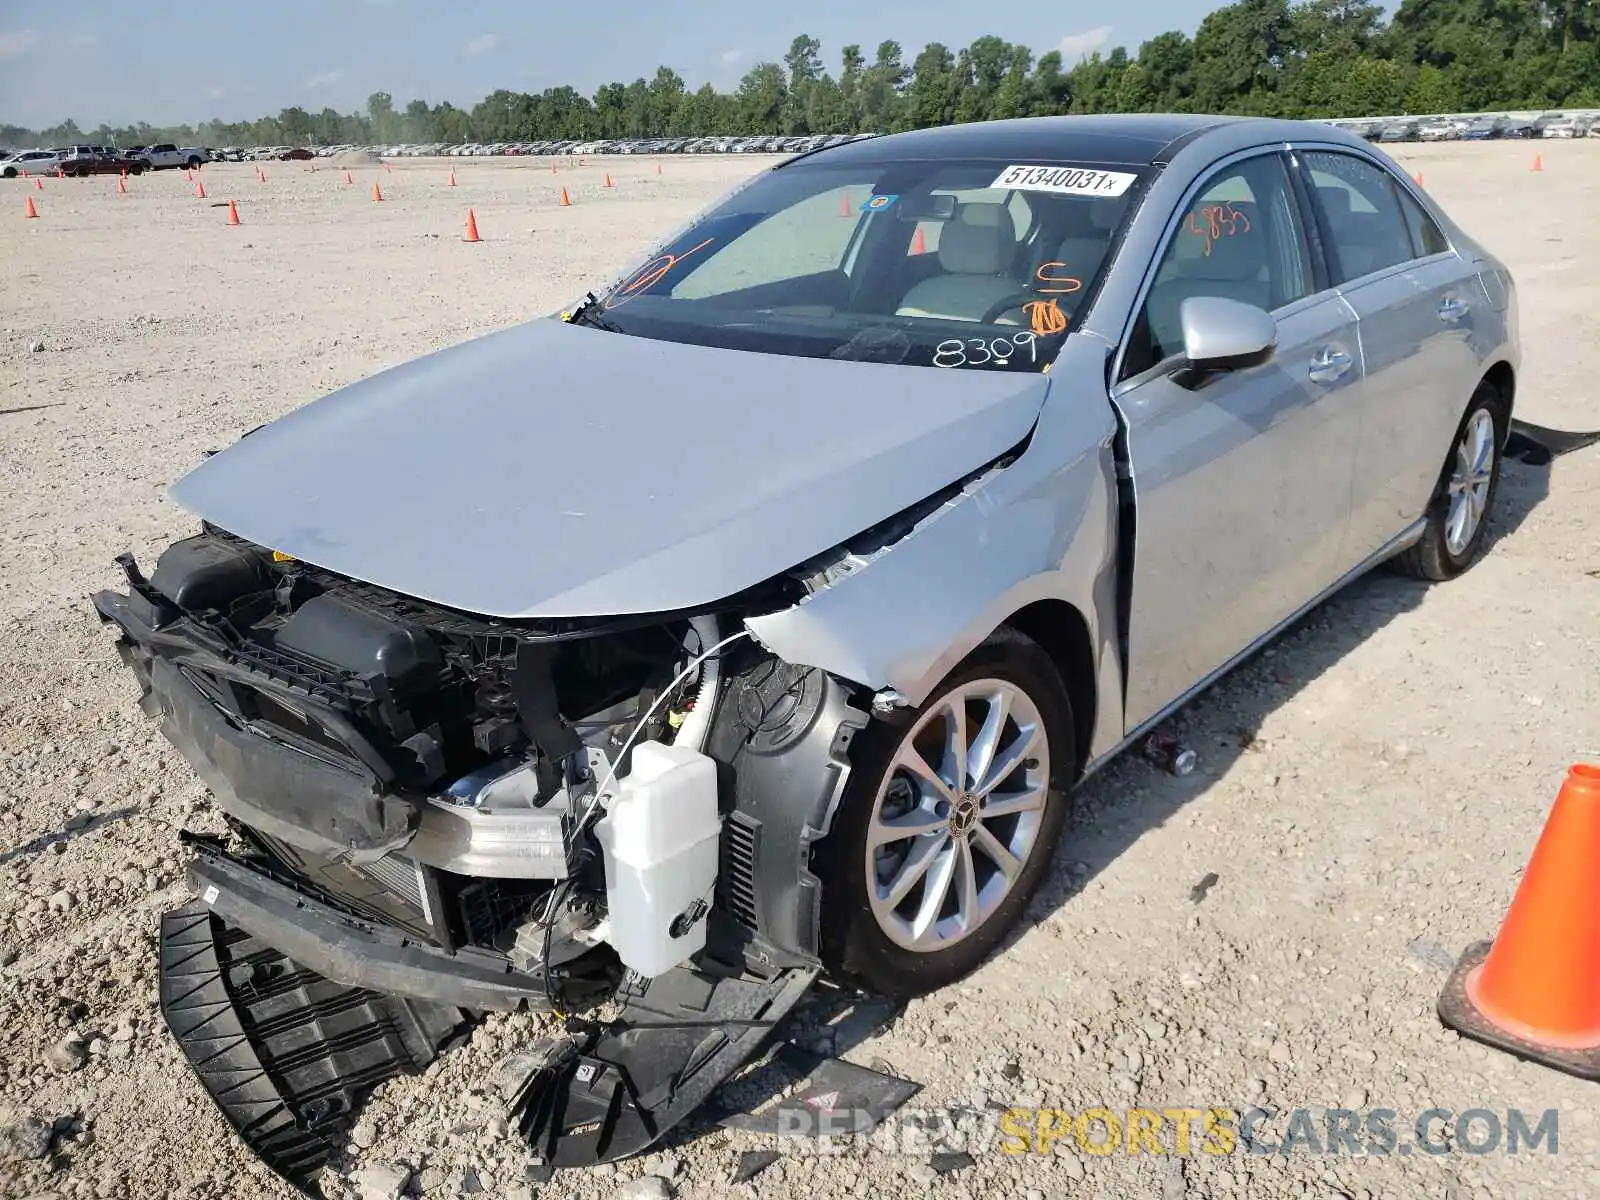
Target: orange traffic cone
x=377 y=193
x=919 y=244
x=472 y=227
x=122 y=184
x=200 y=190
x=844 y=205
x=552 y=167
x=388 y=169
x=233 y=213
x=1538 y=162
x=1536 y=991
x=38 y=182
x=347 y=177
x=608 y=182
x=566 y=200
x=1419 y=179
x=581 y=163
x=452 y=177
x=658 y=168
x=60 y=174
x=261 y=174
x=29 y=210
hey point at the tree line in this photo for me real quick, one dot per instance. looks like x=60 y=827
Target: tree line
x=1312 y=58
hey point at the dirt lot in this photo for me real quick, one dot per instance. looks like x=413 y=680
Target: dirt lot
x=1369 y=789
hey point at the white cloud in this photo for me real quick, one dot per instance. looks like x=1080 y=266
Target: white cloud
x=481 y=44
x=732 y=58
x=15 y=45
x=1075 y=44
x=326 y=79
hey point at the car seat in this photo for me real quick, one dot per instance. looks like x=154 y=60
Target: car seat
x=1082 y=251
x=977 y=252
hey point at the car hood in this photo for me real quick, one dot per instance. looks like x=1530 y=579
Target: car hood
x=558 y=470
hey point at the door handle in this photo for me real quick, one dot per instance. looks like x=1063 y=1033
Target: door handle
x=1329 y=364
x=1452 y=309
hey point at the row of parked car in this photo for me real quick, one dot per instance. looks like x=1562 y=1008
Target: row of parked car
x=1472 y=128
x=78 y=161
x=682 y=145
x=98 y=160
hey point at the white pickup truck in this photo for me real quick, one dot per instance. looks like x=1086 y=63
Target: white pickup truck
x=165 y=155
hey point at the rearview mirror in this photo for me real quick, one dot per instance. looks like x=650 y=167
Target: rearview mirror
x=1221 y=334
x=938 y=206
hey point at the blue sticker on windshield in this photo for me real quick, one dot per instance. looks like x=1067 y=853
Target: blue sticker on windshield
x=879 y=203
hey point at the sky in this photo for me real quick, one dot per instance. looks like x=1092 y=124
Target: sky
x=184 y=61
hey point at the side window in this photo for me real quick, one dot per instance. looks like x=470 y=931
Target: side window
x=1242 y=239
x=1361 y=210
x=1426 y=236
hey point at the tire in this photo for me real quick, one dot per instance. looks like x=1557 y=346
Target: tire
x=857 y=946
x=193 y=162
x=1437 y=556
x=11 y=172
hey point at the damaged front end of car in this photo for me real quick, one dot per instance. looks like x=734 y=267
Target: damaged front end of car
x=433 y=815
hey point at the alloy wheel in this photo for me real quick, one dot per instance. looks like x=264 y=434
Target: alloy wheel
x=957 y=815
x=1468 y=490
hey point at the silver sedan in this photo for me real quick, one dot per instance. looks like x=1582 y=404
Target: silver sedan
x=1001 y=441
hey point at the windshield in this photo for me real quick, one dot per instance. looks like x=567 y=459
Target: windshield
x=968 y=263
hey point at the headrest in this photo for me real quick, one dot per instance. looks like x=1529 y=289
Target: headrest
x=1222 y=241
x=979 y=240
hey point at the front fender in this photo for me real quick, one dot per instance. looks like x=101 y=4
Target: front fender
x=1042 y=528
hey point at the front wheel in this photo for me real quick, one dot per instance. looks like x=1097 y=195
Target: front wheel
x=948 y=823
x=1458 y=513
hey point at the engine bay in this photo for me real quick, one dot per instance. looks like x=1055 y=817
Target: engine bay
x=429 y=769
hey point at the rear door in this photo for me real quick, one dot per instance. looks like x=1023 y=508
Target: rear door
x=1242 y=480
x=1418 y=303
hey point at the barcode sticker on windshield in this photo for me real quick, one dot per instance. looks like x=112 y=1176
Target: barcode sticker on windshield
x=1067 y=181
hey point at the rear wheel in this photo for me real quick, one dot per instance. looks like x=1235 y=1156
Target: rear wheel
x=948 y=823
x=1458 y=514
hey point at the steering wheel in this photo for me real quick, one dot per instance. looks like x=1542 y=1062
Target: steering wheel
x=1015 y=300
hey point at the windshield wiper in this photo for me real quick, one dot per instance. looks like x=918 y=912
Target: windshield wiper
x=592 y=314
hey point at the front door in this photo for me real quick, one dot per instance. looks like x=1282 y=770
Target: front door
x=1242 y=481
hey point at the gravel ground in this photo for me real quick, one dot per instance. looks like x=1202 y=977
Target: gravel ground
x=1369 y=788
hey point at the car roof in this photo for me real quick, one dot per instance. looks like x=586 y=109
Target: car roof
x=1129 y=138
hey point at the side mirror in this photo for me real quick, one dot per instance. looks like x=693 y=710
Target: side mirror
x=1221 y=334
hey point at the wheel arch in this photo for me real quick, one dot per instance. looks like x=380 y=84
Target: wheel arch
x=1503 y=378
x=1062 y=632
